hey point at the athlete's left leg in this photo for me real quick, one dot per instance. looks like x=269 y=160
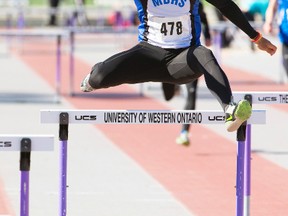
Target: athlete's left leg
x=197 y=61
x=218 y=84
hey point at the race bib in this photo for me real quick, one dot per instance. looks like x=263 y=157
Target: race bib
x=171 y=30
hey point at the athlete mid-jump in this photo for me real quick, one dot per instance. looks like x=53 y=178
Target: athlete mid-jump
x=169 y=51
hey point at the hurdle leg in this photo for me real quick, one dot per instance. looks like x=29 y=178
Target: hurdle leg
x=241 y=132
x=20 y=20
x=247 y=165
x=58 y=69
x=247 y=174
x=24 y=197
x=218 y=44
x=72 y=63
x=25 y=168
x=63 y=137
x=63 y=177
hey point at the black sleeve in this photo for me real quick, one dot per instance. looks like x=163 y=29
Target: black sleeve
x=204 y=21
x=232 y=12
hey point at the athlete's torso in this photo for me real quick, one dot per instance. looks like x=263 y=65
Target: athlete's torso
x=169 y=23
x=283 y=20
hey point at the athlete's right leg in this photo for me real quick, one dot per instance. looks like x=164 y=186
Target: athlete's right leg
x=218 y=84
x=183 y=138
x=191 y=99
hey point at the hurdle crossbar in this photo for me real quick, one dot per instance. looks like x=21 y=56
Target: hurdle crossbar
x=145 y=116
x=263 y=97
x=25 y=144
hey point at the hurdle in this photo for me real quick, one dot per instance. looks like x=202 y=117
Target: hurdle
x=57 y=34
x=25 y=144
x=254 y=97
x=64 y=117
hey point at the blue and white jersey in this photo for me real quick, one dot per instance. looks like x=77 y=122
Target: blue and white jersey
x=283 y=20
x=169 y=23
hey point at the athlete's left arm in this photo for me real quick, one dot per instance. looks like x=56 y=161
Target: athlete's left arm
x=232 y=12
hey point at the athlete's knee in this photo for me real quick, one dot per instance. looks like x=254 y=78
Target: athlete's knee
x=203 y=55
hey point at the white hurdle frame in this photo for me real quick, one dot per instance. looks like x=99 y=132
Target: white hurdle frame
x=25 y=144
x=254 y=97
x=65 y=117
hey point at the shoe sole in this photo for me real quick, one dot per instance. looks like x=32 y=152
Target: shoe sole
x=179 y=141
x=243 y=110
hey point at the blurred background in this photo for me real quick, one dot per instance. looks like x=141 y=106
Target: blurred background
x=132 y=170
x=98 y=12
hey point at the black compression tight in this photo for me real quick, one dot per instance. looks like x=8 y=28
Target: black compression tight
x=190 y=100
x=145 y=62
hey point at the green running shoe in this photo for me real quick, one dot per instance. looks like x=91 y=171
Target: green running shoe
x=237 y=114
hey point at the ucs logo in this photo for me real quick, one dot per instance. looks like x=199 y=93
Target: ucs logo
x=5 y=144
x=267 y=98
x=86 y=118
x=216 y=118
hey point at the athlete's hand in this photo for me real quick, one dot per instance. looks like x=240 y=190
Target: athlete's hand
x=266 y=45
